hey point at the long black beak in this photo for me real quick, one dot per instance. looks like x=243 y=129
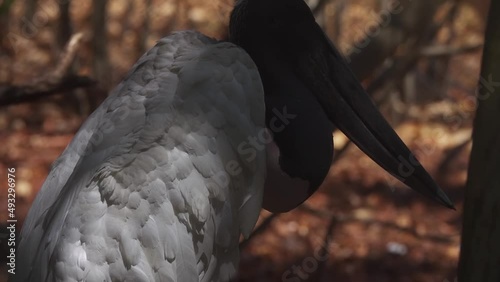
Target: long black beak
x=350 y=108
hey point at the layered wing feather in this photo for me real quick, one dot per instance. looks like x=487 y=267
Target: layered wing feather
x=161 y=180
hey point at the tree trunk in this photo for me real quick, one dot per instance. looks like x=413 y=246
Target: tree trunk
x=64 y=28
x=100 y=44
x=480 y=249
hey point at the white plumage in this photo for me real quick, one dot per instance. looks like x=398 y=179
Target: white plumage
x=155 y=185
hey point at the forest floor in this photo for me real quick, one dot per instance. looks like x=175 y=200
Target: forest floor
x=380 y=230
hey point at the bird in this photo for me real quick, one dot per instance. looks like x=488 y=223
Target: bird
x=163 y=178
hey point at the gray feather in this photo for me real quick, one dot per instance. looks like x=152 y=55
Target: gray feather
x=142 y=192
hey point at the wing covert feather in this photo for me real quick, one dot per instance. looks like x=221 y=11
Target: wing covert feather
x=154 y=187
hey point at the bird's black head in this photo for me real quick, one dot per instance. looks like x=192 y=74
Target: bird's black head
x=304 y=75
x=277 y=23
x=274 y=33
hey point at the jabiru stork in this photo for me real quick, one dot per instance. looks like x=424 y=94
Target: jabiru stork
x=167 y=173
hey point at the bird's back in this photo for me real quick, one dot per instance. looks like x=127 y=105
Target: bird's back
x=161 y=180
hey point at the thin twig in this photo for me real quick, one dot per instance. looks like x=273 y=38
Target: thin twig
x=260 y=229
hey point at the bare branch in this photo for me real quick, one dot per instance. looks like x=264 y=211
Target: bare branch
x=58 y=80
x=438 y=51
x=19 y=94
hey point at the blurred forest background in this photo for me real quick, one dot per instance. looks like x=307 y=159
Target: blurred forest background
x=420 y=61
